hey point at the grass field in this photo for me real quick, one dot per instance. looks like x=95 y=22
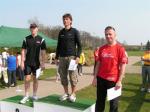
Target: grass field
x=137 y=63
x=46 y=74
x=135 y=53
x=132 y=99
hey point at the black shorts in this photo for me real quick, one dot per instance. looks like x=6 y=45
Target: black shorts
x=30 y=69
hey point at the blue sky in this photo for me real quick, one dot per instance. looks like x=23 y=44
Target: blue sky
x=131 y=18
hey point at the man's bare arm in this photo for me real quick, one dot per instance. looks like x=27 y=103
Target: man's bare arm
x=43 y=53
x=94 y=82
x=121 y=75
x=22 y=58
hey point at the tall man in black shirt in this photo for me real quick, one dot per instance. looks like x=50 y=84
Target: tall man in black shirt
x=32 y=58
x=68 y=47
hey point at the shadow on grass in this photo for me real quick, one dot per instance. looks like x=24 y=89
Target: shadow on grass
x=136 y=101
x=147 y=100
x=132 y=84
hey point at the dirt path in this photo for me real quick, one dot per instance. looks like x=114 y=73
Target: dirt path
x=133 y=69
x=49 y=86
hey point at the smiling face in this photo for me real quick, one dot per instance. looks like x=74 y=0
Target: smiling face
x=110 y=36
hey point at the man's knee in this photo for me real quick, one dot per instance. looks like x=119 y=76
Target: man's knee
x=73 y=79
x=27 y=78
x=35 y=80
x=64 y=81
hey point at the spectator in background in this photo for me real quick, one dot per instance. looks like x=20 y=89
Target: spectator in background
x=2 y=81
x=4 y=66
x=146 y=71
x=0 y=66
x=1 y=76
x=19 y=71
x=81 y=63
x=11 y=70
x=4 y=57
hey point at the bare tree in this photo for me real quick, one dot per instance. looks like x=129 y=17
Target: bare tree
x=87 y=40
x=55 y=31
x=34 y=20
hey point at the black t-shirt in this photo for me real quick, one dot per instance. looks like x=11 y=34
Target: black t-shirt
x=33 y=45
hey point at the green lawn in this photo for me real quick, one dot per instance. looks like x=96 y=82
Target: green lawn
x=132 y=100
x=135 y=53
x=46 y=74
x=137 y=63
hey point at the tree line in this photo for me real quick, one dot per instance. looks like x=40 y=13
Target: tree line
x=88 y=41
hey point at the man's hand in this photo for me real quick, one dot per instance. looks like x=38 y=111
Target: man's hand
x=94 y=82
x=77 y=60
x=42 y=66
x=22 y=65
x=118 y=85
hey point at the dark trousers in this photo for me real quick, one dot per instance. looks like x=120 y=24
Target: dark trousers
x=11 y=77
x=102 y=86
x=3 y=83
x=20 y=73
x=146 y=75
x=79 y=68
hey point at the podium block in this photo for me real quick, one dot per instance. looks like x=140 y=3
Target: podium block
x=47 y=104
x=12 y=105
x=52 y=104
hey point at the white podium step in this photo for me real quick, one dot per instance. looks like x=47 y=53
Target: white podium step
x=12 y=105
x=47 y=104
x=52 y=104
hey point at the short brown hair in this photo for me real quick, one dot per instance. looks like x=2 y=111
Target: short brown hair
x=109 y=28
x=33 y=25
x=67 y=15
